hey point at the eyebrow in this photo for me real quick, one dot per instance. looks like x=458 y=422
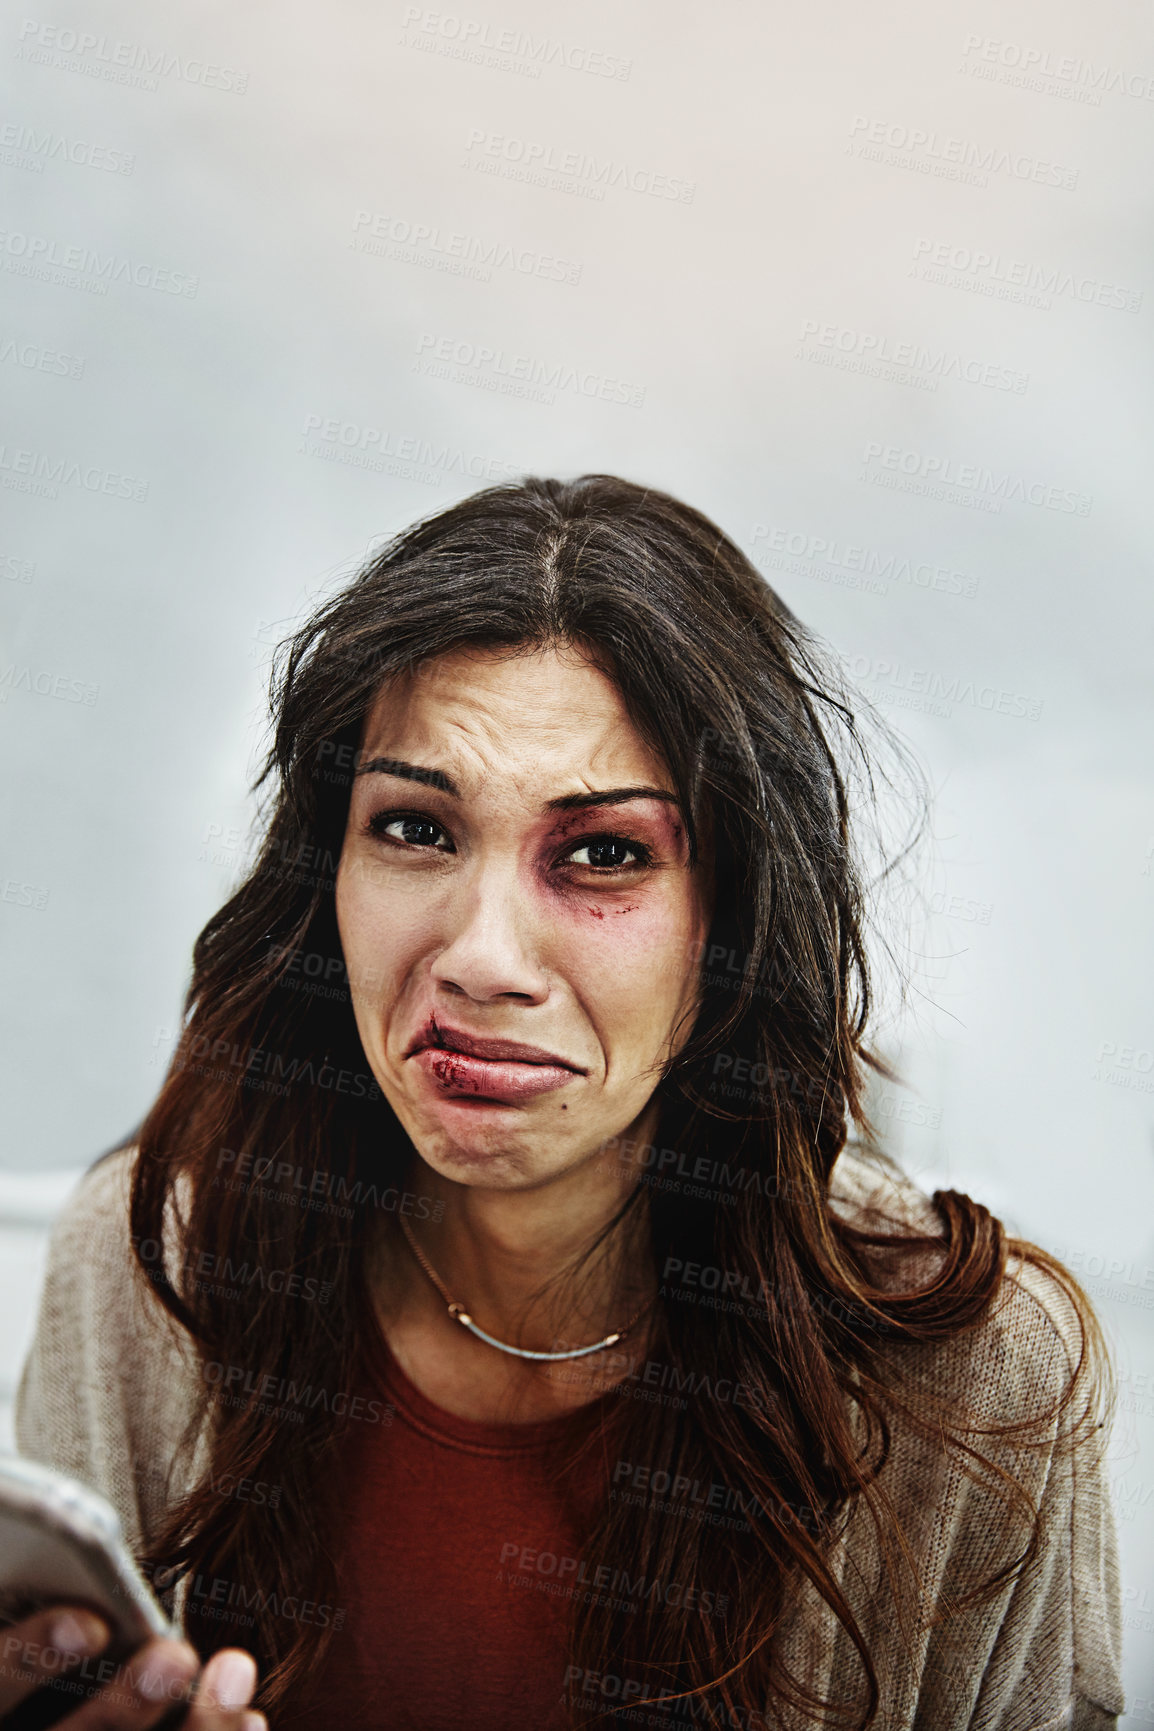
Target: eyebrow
x=564 y=802
x=410 y=772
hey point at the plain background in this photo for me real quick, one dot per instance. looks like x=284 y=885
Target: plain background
x=870 y=286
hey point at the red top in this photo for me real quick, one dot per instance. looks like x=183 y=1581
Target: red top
x=462 y=1552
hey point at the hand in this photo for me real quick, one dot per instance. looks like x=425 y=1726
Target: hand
x=65 y=1643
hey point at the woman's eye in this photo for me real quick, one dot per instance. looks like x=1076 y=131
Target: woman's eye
x=610 y=853
x=410 y=829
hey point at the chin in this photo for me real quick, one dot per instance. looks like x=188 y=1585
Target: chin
x=476 y=1149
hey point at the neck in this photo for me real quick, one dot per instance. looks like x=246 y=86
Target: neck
x=522 y=1263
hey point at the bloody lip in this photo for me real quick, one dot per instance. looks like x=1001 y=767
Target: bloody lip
x=493 y=1078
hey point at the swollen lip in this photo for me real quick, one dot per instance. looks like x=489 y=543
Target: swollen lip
x=494 y=1078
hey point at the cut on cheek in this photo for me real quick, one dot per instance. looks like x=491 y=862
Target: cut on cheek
x=620 y=944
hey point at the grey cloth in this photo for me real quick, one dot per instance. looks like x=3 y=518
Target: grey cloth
x=112 y=1393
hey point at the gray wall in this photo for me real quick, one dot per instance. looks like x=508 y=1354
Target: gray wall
x=872 y=286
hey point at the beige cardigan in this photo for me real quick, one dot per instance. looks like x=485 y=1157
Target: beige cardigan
x=111 y=1383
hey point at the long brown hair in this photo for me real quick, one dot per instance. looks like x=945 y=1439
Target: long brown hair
x=766 y=744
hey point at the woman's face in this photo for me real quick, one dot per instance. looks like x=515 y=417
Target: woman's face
x=488 y=893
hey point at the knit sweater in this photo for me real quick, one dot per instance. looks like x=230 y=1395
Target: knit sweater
x=112 y=1393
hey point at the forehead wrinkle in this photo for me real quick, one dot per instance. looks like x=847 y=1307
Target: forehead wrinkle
x=501 y=731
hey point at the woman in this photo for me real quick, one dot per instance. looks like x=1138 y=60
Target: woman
x=519 y=1337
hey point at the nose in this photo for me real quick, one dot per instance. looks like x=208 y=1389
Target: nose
x=490 y=949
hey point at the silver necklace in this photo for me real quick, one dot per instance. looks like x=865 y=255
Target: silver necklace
x=461 y=1315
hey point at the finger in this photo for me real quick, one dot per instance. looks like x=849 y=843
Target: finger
x=206 y=1717
x=40 y=1647
x=228 y=1680
x=157 y=1678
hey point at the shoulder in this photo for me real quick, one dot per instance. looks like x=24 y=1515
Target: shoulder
x=1041 y=1339
x=91 y=1255
x=1035 y=1338
x=95 y=1217
x=89 y=1268
x=96 y=1267
x=111 y=1381
x=992 y=1453
x=93 y=1239
x=870 y=1191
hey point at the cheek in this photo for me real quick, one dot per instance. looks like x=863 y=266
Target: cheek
x=643 y=951
x=377 y=931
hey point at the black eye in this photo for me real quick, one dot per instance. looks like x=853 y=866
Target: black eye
x=609 y=852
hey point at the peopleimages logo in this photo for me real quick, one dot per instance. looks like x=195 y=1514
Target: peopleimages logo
x=494 y=369
x=1030 y=66
x=935 y=692
x=242 y=1384
x=878 y=355
x=383 y=451
x=35 y=358
x=50 y=260
x=38 y=148
x=1016 y=279
x=568 y=170
x=931 y=152
x=506 y=48
x=567 y=1573
x=806 y=554
x=39 y=473
x=993 y=486
x=44 y=683
x=433 y=248
x=120 y=62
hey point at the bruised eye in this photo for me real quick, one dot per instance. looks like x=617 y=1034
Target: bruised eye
x=409 y=829
x=610 y=853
